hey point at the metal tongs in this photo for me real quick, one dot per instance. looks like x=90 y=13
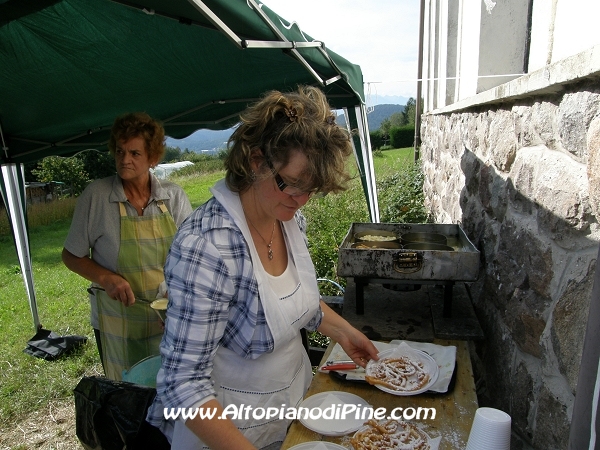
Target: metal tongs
x=340 y=365
x=137 y=299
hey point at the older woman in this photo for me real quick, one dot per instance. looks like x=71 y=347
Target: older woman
x=119 y=238
x=242 y=284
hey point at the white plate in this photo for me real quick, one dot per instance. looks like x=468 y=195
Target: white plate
x=429 y=363
x=333 y=427
x=429 y=441
x=311 y=445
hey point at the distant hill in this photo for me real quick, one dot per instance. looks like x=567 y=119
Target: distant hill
x=210 y=141
x=376 y=115
x=374 y=99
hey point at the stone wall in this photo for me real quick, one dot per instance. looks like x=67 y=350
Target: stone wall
x=522 y=178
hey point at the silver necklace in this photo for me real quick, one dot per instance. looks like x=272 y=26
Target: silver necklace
x=269 y=245
x=141 y=207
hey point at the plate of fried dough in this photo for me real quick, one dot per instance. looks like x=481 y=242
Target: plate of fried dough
x=392 y=435
x=402 y=371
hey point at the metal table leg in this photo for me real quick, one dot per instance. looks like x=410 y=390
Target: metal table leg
x=360 y=294
x=448 y=286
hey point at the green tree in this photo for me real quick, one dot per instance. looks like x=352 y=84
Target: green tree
x=409 y=111
x=97 y=164
x=398 y=120
x=172 y=154
x=384 y=129
x=69 y=171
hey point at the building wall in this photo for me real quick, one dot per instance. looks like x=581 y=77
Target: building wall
x=517 y=177
x=561 y=29
x=516 y=161
x=502 y=42
x=471 y=46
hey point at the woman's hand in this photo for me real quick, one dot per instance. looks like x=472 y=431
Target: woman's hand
x=118 y=288
x=356 y=345
x=115 y=285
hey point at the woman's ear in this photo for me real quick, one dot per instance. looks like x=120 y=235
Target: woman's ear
x=153 y=161
x=256 y=159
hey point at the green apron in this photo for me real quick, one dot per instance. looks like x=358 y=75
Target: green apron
x=132 y=333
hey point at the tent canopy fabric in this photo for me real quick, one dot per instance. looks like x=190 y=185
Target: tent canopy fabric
x=69 y=67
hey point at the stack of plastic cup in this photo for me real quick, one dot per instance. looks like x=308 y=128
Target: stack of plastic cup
x=490 y=430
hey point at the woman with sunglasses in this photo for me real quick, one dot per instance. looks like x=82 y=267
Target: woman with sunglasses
x=241 y=282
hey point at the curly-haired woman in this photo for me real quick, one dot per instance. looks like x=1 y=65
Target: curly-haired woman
x=242 y=284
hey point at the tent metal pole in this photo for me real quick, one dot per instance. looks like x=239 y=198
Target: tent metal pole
x=217 y=22
x=363 y=130
x=321 y=47
x=281 y=45
x=282 y=37
x=214 y=19
x=4 y=147
x=13 y=190
x=13 y=194
x=364 y=158
x=170 y=120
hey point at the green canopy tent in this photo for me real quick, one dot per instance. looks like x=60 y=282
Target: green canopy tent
x=69 y=67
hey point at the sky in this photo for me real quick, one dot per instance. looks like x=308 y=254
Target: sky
x=381 y=36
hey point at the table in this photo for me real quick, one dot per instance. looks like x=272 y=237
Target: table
x=454 y=410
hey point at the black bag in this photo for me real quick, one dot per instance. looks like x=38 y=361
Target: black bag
x=48 y=345
x=112 y=415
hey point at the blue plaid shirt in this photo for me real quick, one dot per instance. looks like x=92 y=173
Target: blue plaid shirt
x=213 y=301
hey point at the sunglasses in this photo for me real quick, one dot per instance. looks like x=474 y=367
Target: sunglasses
x=292 y=191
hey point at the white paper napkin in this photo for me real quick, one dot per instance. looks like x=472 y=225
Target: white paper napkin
x=401 y=349
x=445 y=356
x=338 y=354
x=162 y=290
x=435 y=443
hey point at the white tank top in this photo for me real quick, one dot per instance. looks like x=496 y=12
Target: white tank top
x=286 y=283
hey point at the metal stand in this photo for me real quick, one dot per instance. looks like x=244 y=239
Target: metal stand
x=361 y=282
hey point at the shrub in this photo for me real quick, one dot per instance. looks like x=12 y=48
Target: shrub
x=203 y=164
x=401 y=137
x=401 y=198
x=376 y=138
x=329 y=219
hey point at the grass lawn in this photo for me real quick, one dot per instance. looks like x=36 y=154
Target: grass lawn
x=197 y=188
x=29 y=384
x=388 y=162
